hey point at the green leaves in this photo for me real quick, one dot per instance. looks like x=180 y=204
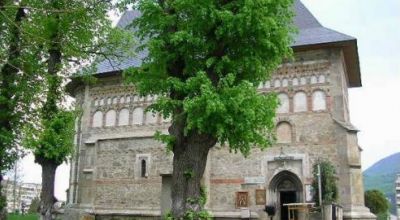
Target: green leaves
x=54 y=140
x=328 y=182
x=204 y=58
x=376 y=201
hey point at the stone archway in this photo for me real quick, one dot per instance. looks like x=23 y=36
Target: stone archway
x=285 y=187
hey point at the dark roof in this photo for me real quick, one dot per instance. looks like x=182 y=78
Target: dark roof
x=311 y=35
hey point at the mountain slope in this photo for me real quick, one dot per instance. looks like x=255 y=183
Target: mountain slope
x=382 y=176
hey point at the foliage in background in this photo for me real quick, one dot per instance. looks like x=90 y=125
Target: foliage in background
x=376 y=201
x=54 y=140
x=382 y=176
x=328 y=182
x=35 y=205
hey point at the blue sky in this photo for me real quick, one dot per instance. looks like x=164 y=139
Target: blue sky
x=374 y=108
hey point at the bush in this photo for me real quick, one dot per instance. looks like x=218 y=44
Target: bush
x=376 y=201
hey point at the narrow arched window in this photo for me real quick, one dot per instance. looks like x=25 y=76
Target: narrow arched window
x=295 y=82
x=277 y=83
x=97 y=120
x=283 y=103
x=319 y=101
x=143 y=171
x=313 y=80
x=284 y=133
x=137 y=116
x=321 y=79
x=111 y=118
x=123 y=118
x=300 y=102
x=285 y=82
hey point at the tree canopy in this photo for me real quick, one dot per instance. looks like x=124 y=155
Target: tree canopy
x=328 y=182
x=205 y=60
x=376 y=201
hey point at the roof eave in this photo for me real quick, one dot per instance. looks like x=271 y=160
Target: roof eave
x=351 y=57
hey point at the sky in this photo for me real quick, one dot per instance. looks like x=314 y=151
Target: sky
x=374 y=108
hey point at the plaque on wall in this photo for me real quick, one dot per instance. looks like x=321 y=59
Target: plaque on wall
x=242 y=199
x=260 y=197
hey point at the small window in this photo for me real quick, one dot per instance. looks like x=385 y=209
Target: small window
x=283 y=103
x=284 y=133
x=267 y=84
x=137 y=116
x=321 y=79
x=277 y=83
x=111 y=117
x=123 y=118
x=97 y=120
x=295 y=82
x=300 y=102
x=319 y=101
x=143 y=168
x=303 y=81
x=115 y=100
x=313 y=80
x=285 y=82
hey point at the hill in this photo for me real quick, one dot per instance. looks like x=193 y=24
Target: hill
x=382 y=175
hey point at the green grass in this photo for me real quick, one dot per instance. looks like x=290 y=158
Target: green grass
x=23 y=217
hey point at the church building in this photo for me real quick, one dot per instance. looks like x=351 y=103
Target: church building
x=120 y=172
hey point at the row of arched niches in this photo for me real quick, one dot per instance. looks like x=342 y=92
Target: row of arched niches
x=126 y=110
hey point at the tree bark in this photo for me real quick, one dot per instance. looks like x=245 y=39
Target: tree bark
x=190 y=159
x=47 y=198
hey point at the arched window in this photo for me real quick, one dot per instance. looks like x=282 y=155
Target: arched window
x=123 y=118
x=122 y=100
x=97 y=120
x=111 y=117
x=300 y=102
x=137 y=116
x=277 y=83
x=284 y=133
x=95 y=102
x=321 y=79
x=109 y=101
x=284 y=103
x=314 y=80
x=128 y=99
x=143 y=168
x=101 y=102
x=303 y=81
x=319 y=101
x=151 y=118
x=295 y=82
x=115 y=100
x=285 y=82
x=267 y=84
x=149 y=98
x=261 y=85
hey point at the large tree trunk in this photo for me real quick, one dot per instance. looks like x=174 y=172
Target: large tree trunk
x=190 y=159
x=47 y=198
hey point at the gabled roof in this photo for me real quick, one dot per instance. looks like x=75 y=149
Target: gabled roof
x=311 y=35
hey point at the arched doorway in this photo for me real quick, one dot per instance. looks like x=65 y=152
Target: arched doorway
x=285 y=187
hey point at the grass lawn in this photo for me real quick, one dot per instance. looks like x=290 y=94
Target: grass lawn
x=23 y=217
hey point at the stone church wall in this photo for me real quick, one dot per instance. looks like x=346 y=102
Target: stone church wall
x=116 y=141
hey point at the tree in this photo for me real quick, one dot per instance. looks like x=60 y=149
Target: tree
x=35 y=205
x=66 y=35
x=328 y=182
x=205 y=60
x=17 y=83
x=376 y=201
